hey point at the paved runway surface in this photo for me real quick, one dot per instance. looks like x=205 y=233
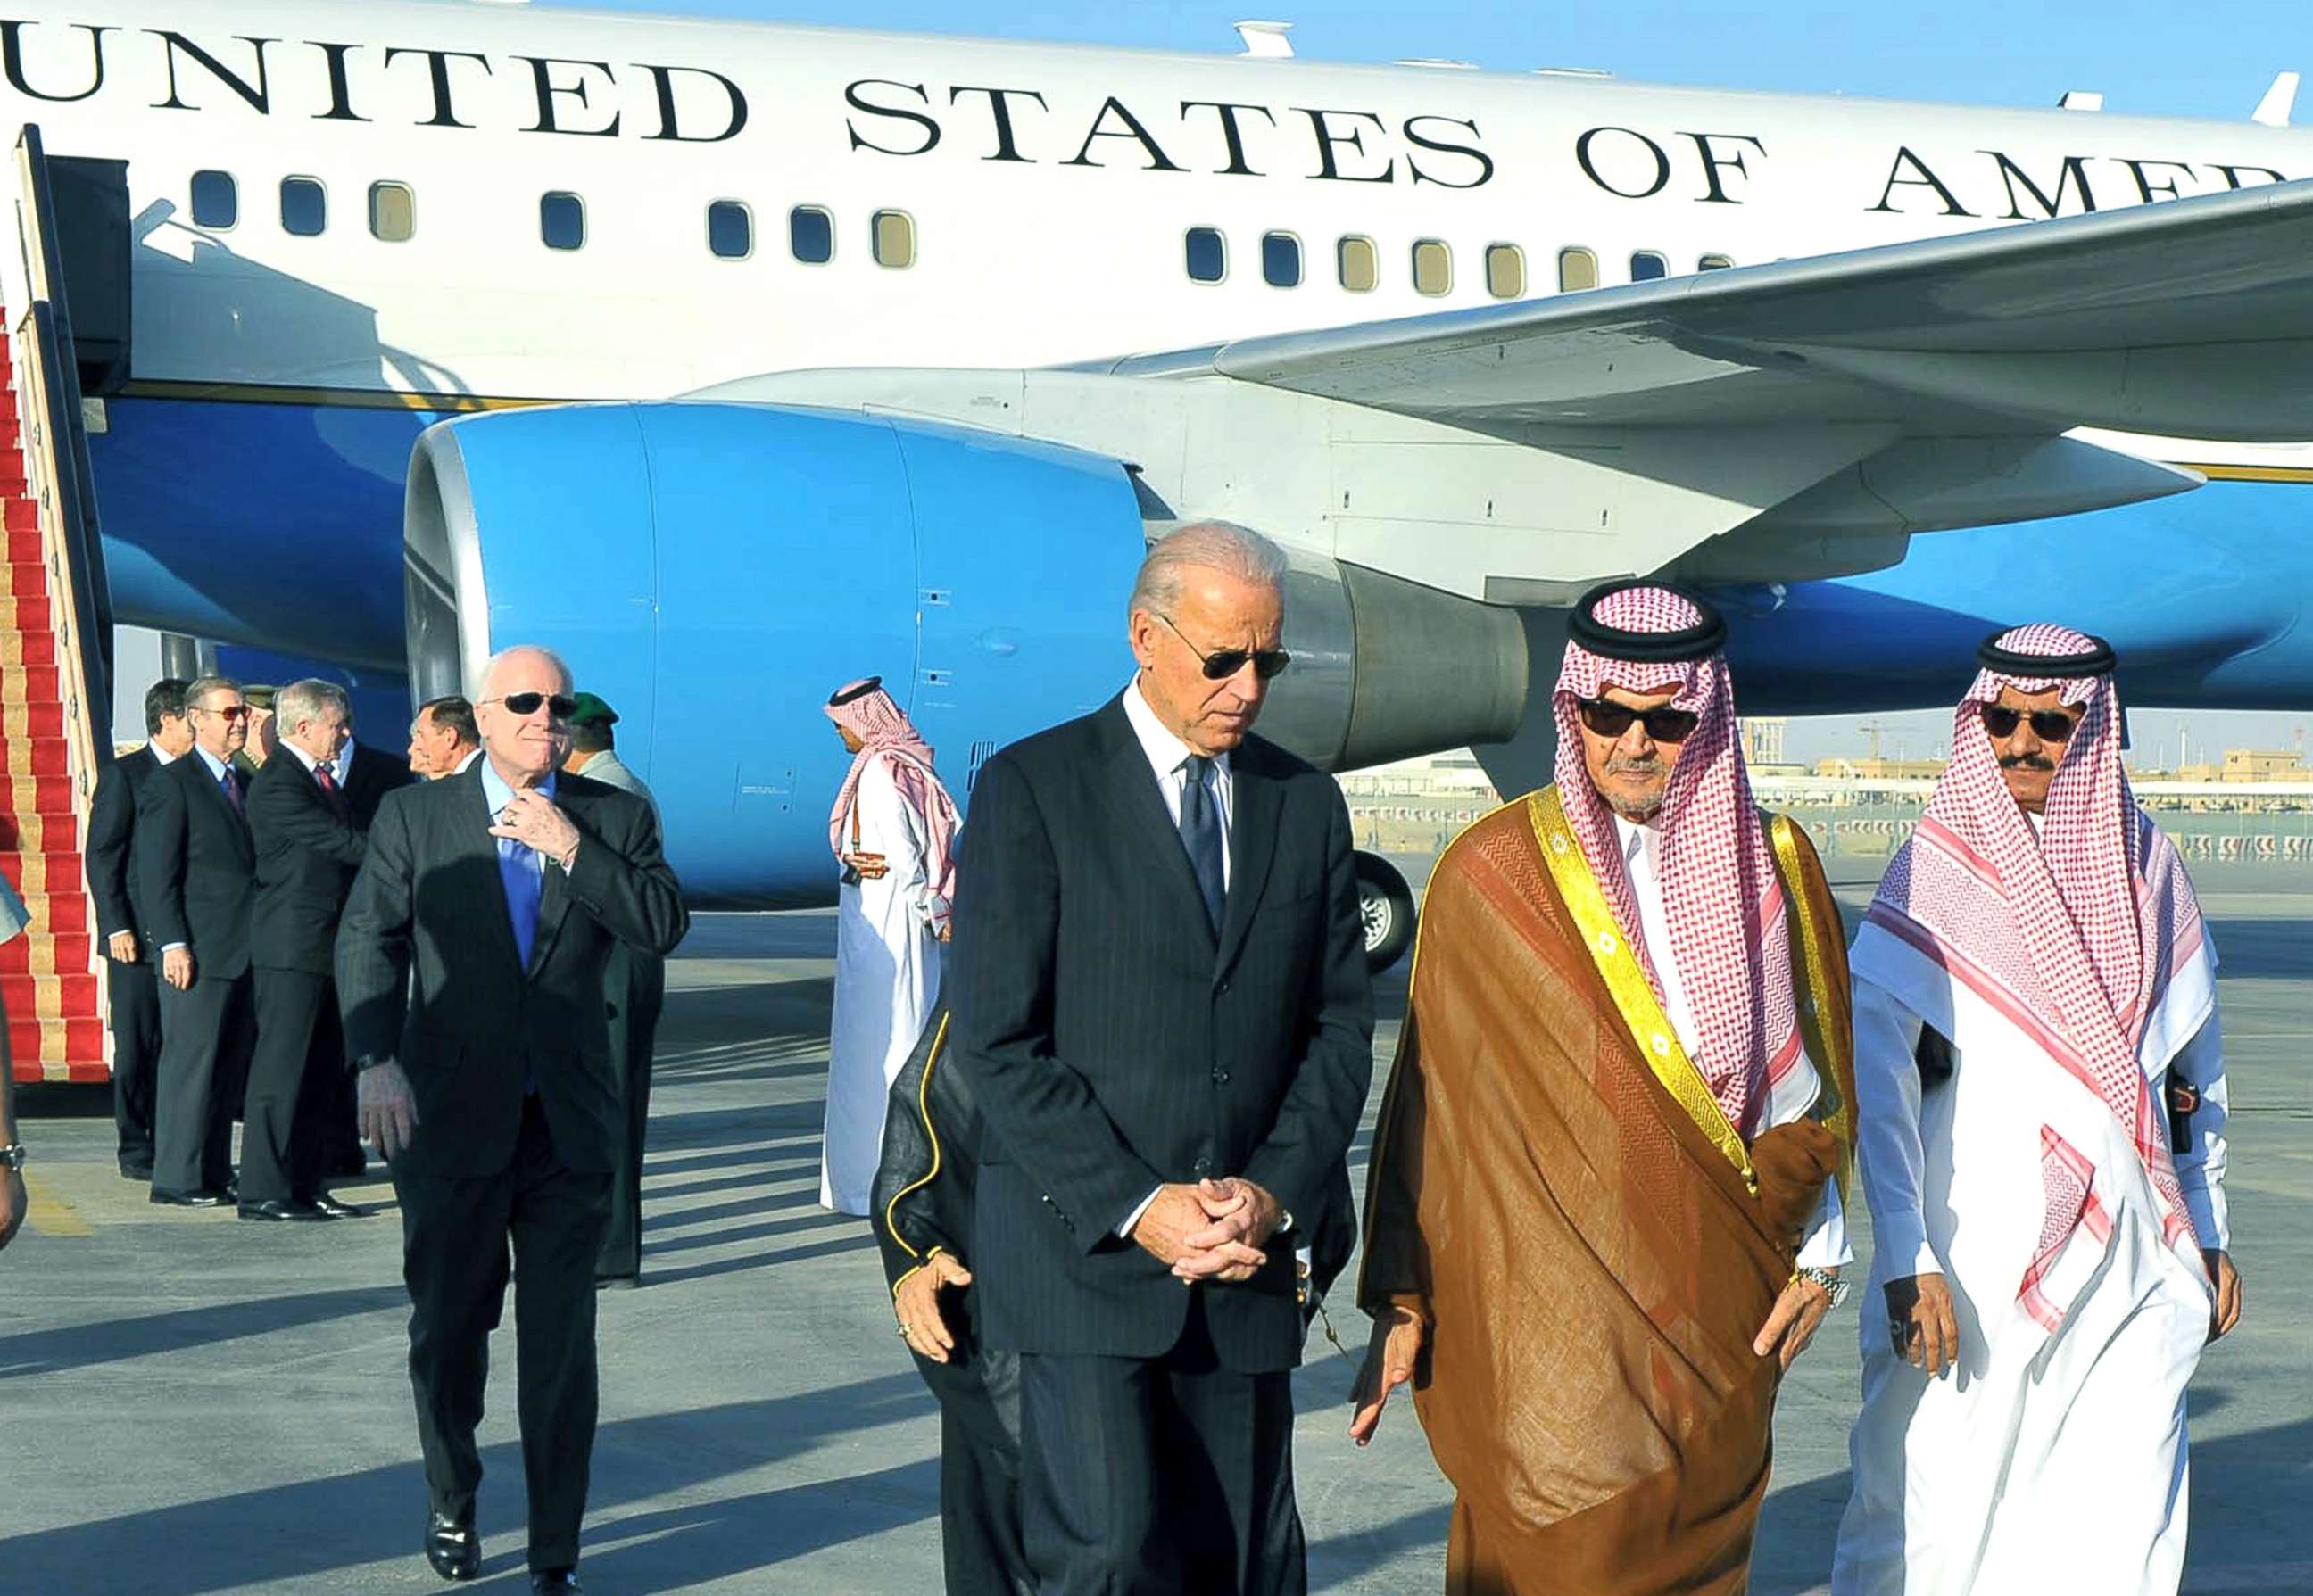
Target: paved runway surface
x=191 y=1405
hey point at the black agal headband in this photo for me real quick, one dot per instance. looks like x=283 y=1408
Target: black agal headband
x=858 y=691
x=2097 y=661
x=1700 y=641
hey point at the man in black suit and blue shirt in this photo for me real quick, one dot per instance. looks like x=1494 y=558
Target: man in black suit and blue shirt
x=469 y=971
x=308 y=849
x=198 y=866
x=1160 y=1000
x=132 y=984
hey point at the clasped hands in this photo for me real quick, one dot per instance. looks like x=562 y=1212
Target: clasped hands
x=1212 y=1231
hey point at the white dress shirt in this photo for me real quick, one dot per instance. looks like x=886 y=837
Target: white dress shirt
x=1825 y=1247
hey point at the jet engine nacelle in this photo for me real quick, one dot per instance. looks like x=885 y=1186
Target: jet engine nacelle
x=716 y=571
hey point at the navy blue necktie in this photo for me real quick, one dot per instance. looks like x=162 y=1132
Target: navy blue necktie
x=1201 y=834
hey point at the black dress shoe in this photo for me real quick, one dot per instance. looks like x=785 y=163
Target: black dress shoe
x=142 y=1173
x=328 y=1207
x=452 y=1547
x=556 y=1582
x=187 y=1200
x=273 y=1210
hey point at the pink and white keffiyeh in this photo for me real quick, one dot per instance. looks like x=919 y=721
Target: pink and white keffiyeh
x=2073 y=936
x=1721 y=896
x=886 y=733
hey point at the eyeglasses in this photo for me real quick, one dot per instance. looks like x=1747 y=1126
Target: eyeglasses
x=1223 y=663
x=1608 y=718
x=2049 y=725
x=559 y=706
x=236 y=712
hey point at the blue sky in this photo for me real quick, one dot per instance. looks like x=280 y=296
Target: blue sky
x=2213 y=59
x=2164 y=58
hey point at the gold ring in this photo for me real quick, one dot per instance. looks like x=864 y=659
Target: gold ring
x=903 y=1329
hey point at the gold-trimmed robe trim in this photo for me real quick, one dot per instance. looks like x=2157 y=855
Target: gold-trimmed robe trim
x=1626 y=981
x=1831 y=1045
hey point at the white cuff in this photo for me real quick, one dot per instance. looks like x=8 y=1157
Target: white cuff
x=1133 y=1218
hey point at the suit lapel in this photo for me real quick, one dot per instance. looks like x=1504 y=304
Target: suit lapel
x=1255 y=801
x=470 y=834
x=236 y=820
x=554 y=897
x=1148 y=825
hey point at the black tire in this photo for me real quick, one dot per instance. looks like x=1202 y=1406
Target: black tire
x=1387 y=903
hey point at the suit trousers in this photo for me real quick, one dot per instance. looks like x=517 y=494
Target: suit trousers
x=634 y=986
x=206 y=1034
x=301 y=1050
x=1159 y=1475
x=454 y=1235
x=979 y=1512
x=136 y=995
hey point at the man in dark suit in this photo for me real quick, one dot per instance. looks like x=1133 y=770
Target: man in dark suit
x=469 y=971
x=135 y=990
x=365 y=776
x=1160 y=1001
x=307 y=852
x=198 y=868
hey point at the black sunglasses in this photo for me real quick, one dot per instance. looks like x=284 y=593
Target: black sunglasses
x=1267 y=663
x=1608 y=718
x=2049 y=725
x=561 y=707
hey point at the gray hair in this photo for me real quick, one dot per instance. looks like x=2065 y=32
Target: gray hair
x=1210 y=546
x=490 y=671
x=201 y=687
x=308 y=700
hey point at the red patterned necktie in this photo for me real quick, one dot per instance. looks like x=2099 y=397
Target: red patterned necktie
x=330 y=787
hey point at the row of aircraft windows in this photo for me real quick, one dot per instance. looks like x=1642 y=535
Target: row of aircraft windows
x=892 y=239
x=1357 y=264
x=561 y=220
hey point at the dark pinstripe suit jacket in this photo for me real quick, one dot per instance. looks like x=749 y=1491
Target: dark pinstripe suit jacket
x=1114 y=1042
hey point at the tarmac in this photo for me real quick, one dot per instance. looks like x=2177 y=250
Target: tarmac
x=191 y=1406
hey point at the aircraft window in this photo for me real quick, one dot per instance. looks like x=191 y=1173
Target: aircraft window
x=562 y=221
x=1361 y=264
x=216 y=199
x=730 y=231
x=1208 y=255
x=1280 y=261
x=393 y=212
x=1714 y=263
x=811 y=234
x=895 y=239
x=1433 y=267
x=305 y=207
x=1577 y=269
x=1505 y=271
x=1647 y=267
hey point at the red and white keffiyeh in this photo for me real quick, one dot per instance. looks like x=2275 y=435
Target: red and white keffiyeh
x=1721 y=896
x=885 y=734
x=2074 y=936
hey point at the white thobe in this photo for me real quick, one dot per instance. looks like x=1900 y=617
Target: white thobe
x=1825 y=1246
x=887 y=971
x=2043 y=1462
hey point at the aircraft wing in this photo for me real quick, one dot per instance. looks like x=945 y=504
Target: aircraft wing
x=2189 y=317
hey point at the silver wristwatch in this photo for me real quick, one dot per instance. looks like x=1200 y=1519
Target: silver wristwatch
x=1826 y=1278
x=12 y=1157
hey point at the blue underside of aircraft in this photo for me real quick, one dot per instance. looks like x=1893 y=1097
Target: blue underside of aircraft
x=280 y=526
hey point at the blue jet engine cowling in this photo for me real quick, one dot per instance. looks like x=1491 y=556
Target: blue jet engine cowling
x=717 y=570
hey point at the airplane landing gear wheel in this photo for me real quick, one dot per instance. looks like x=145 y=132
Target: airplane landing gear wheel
x=1387 y=904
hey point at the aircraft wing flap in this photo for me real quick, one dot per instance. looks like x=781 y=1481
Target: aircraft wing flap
x=2191 y=317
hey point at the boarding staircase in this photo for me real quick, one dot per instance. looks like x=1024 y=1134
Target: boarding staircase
x=55 y=683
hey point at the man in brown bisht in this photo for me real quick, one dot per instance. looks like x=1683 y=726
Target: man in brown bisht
x=1604 y=1211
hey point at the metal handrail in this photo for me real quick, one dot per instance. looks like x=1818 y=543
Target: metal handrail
x=84 y=549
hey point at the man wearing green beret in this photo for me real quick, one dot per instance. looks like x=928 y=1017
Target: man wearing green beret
x=635 y=987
